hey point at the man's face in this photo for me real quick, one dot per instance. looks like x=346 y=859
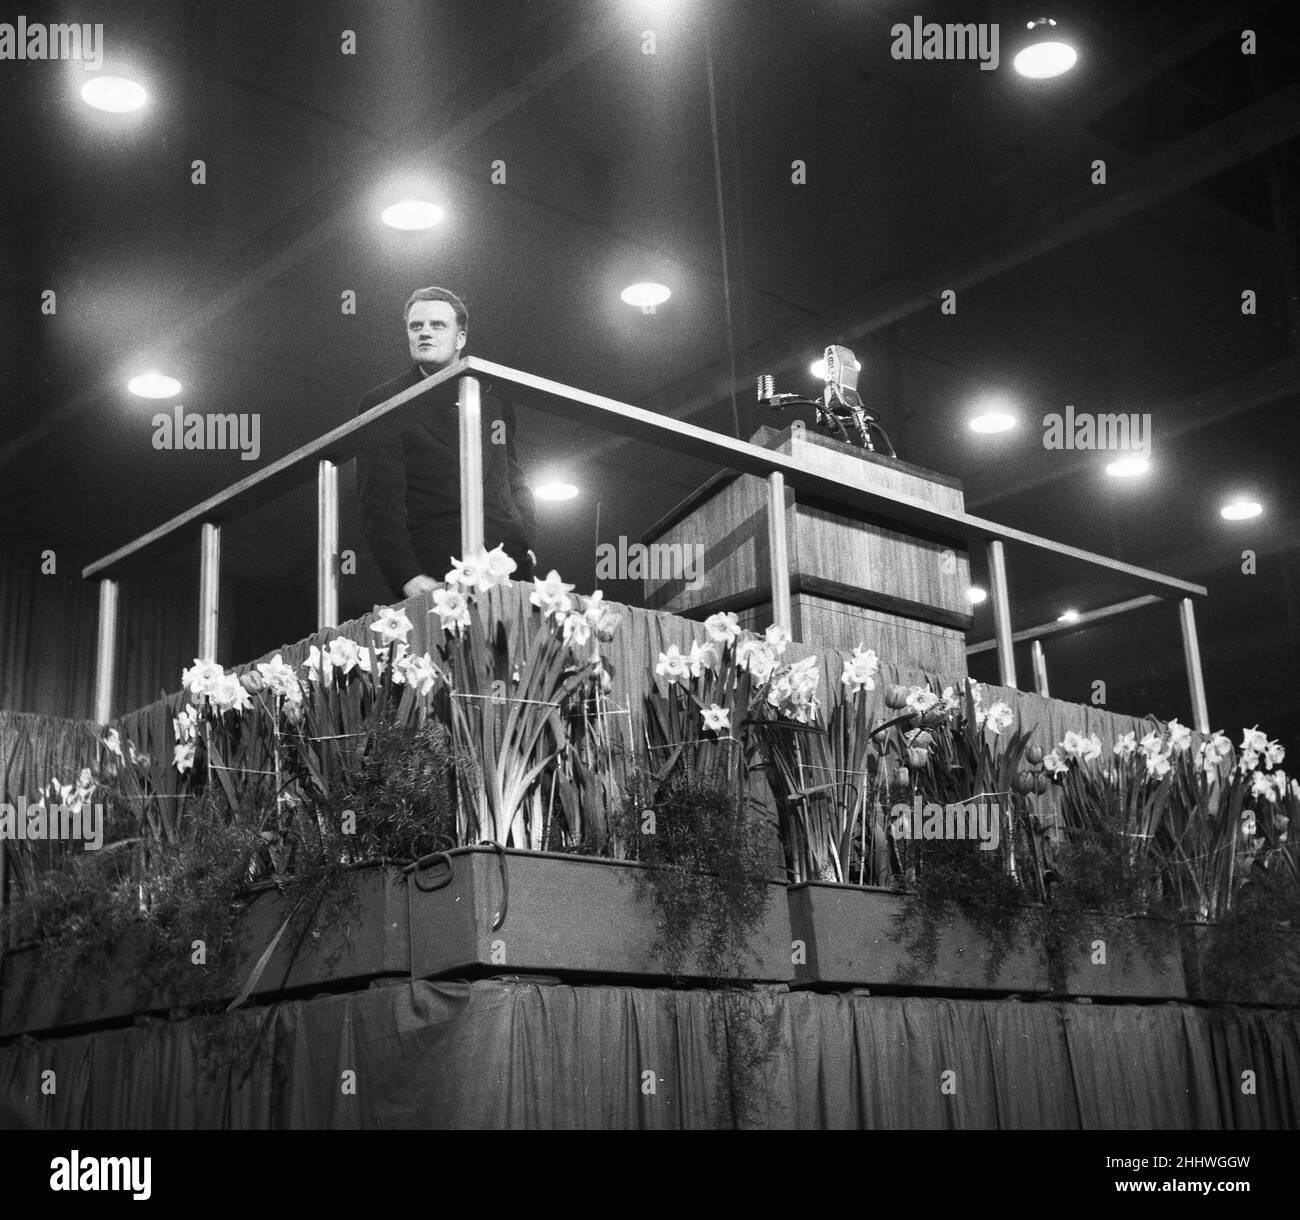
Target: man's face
x=434 y=337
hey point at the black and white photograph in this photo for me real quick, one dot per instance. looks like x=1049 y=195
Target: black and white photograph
x=649 y=565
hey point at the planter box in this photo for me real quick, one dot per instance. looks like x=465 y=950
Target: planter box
x=1150 y=967
x=367 y=936
x=563 y=914
x=366 y=939
x=31 y=1002
x=850 y=939
x=1209 y=982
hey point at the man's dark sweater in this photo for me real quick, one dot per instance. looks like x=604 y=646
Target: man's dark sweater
x=409 y=481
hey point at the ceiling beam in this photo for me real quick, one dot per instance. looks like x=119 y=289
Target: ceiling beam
x=1088 y=109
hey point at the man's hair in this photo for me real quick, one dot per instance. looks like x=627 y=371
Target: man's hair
x=439 y=294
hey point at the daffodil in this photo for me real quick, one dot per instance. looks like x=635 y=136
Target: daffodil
x=470 y=574
x=279 y=679
x=202 y=677
x=860 y=670
x=777 y=638
x=344 y=654
x=1158 y=765
x=702 y=657
x=577 y=630
x=1000 y=717
x=452 y=609
x=391 y=624
x=421 y=674
x=672 y=665
x=1054 y=762
x=1180 y=737
x=757 y=657
x=551 y=595
x=318 y=665
x=603 y=620
x=722 y=628
x=716 y=719
x=498 y=565
x=185 y=723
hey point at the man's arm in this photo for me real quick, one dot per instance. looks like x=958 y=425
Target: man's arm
x=381 y=482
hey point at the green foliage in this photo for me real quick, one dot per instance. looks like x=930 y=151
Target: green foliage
x=131 y=917
x=707 y=860
x=953 y=878
x=396 y=802
x=1254 y=952
x=135 y=908
x=1096 y=892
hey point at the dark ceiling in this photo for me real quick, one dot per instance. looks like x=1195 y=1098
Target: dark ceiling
x=920 y=176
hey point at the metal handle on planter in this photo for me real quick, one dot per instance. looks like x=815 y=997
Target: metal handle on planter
x=441 y=857
x=414 y=870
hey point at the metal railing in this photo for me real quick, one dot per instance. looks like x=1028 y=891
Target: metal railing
x=778 y=470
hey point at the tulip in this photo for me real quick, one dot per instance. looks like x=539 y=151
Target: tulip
x=1024 y=782
x=922 y=740
x=918 y=757
x=1041 y=783
x=1034 y=755
x=896 y=697
x=903 y=776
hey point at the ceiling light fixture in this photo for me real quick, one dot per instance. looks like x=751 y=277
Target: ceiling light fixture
x=993 y=421
x=1127 y=467
x=555 y=491
x=115 y=94
x=1241 y=509
x=412 y=214
x=645 y=295
x=1045 y=55
x=154 y=385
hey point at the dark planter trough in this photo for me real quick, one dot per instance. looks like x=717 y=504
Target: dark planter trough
x=1216 y=975
x=365 y=938
x=480 y=910
x=855 y=936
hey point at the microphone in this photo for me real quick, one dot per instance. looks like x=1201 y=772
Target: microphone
x=842 y=380
x=840 y=404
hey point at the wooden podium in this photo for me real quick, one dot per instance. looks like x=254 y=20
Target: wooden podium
x=852 y=581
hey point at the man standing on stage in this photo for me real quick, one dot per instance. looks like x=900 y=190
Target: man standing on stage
x=409 y=476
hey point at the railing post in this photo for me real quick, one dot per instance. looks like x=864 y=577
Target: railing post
x=209 y=589
x=1192 y=657
x=327 y=544
x=1039 y=660
x=4 y=893
x=106 y=651
x=1001 y=613
x=471 y=467
x=778 y=551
